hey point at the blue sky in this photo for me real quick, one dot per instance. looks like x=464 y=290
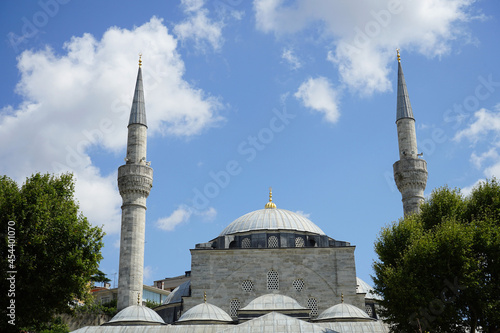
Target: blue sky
x=298 y=95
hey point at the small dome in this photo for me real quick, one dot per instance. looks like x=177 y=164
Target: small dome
x=343 y=312
x=136 y=315
x=204 y=313
x=273 y=302
x=271 y=219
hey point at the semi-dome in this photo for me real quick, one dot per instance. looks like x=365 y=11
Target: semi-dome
x=203 y=314
x=271 y=219
x=273 y=302
x=136 y=315
x=343 y=312
x=364 y=288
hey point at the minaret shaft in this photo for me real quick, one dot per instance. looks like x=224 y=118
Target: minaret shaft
x=410 y=172
x=135 y=180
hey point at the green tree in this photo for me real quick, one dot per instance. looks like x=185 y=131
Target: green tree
x=439 y=270
x=100 y=277
x=53 y=250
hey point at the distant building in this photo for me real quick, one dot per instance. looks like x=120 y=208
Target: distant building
x=171 y=283
x=152 y=294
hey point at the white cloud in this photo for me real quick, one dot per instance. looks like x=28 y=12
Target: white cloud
x=318 y=94
x=192 y=5
x=80 y=99
x=364 y=33
x=291 y=58
x=301 y=213
x=147 y=274
x=478 y=160
x=485 y=121
x=182 y=215
x=199 y=28
x=484 y=127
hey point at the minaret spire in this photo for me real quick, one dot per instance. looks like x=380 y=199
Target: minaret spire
x=135 y=180
x=410 y=172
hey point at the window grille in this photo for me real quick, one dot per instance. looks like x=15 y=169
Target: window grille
x=245 y=243
x=299 y=242
x=312 y=303
x=247 y=285
x=272 y=280
x=234 y=305
x=298 y=284
x=272 y=241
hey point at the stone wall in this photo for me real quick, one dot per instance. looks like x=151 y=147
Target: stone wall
x=83 y=319
x=322 y=274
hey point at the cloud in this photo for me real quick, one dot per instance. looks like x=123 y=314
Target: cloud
x=78 y=100
x=199 y=28
x=485 y=121
x=484 y=127
x=301 y=213
x=318 y=94
x=182 y=215
x=362 y=35
x=291 y=58
x=147 y=274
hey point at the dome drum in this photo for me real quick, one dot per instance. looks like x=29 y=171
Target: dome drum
x=270 y=240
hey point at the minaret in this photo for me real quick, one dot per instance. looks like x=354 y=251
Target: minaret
x=135 y=180
x=410 y=172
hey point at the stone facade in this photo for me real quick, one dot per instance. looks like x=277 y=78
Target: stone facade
x=312 y=276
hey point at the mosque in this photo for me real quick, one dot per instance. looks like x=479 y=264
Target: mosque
x=270 y=270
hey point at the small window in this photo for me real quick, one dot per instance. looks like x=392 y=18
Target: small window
x=247 y=285
x=234 y=305
x=299 y=242
x=273 y=280
x=245 y=243
x=272 y=241
x=298 y=284
x=312 y=303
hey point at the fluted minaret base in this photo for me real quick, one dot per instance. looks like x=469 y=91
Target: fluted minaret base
x=411 y=179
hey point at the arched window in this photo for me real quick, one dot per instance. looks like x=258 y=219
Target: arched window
x=312 y=303
x=273 y=280
x=272 y=241
x=245 y=243
x=234 y=305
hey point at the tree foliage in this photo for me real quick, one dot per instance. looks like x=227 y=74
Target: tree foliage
x=439 y=270
x=56 y=250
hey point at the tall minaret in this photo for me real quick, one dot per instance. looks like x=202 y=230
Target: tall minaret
x=410 y=172
x=135 y=180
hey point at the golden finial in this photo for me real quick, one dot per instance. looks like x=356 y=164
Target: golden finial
x=138 y=298
x=140 y=61
x=270 y=204
x=342 y=297
x=205 y=296
x=399 y=57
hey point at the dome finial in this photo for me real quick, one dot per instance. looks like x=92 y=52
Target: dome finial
x=205 y=296
x=270 y=204
x=140 y=61
x=342 y=297
x=399 y=57
x=138 y=298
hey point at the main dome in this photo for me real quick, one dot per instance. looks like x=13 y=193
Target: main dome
x=271 y=219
